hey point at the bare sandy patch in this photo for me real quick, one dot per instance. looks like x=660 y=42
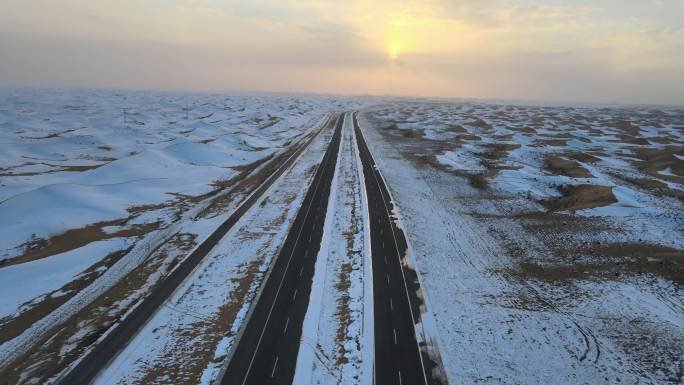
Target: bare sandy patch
x=578 y=197
x=610 y=261
x=561 y=166
x=74 y=238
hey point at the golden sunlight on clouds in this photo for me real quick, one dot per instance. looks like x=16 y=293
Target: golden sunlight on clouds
x=412 y=31
x=603 y=49
x=398 y=35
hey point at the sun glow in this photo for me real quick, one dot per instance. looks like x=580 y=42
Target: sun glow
x=394 y=49
x=404 y=32
x=397 y=25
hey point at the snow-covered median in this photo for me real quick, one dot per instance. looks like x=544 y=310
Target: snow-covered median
x=337 y=338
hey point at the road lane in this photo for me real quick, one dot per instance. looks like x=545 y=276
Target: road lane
x=398 y=358
x=267 y=350
x=104 y=351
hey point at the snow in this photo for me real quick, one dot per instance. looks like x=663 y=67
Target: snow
x=521 y=170
x=324 y=358
x=73 y=158
x=140 y=160
x=498 y=328
x=667 y=172
x=153 y=162
x=187 y=336
x=18 y=287
x=51 y=210
x=459 y=161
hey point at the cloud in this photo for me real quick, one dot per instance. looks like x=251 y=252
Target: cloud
x=611 y=49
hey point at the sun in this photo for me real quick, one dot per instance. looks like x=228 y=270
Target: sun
x=394 y=49
x=397 y=43
x=399 y=34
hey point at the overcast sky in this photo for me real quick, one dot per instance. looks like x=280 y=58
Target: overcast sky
x=603 y=50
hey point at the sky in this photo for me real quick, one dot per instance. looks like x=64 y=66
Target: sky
x=621 y=51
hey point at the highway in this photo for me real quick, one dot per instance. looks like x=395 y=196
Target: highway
x=398 y=359
x=268 y=344
x=85 y=371
x=266 y=352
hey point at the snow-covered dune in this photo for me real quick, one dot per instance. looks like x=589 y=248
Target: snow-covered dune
x=92 y=177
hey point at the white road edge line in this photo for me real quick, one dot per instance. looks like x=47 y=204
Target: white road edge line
x=275 y=365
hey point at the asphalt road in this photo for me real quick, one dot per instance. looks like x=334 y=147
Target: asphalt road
x=104 y=351
x=398 y=359
x=268 y=346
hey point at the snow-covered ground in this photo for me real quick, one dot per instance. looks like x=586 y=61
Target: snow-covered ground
x=188 y=338
x=104 y=192
x=99 y=163
x=66 y=153
x=527 y=285
x=337 y=341
x=548 y=240
x=19 y=284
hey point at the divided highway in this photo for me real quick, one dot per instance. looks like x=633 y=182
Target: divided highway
x=85 y=371
x=398 y=359
x=267 y=350
x=268 y=346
